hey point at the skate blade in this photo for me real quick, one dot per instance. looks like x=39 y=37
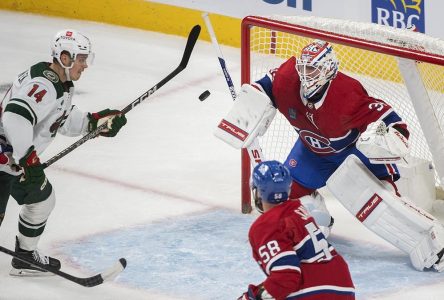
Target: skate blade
x=29 y=273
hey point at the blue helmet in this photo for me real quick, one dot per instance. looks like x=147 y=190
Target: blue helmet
x=272 y=181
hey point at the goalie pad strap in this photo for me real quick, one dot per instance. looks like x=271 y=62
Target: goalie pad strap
x=249 y=117
x=395 y=219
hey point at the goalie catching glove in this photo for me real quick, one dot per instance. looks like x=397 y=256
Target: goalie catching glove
x=114 y=119
x=250 y=117
x=382 y=144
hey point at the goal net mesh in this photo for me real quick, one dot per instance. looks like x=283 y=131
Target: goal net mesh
x=368 y=58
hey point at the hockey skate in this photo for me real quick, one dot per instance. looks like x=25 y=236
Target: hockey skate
x=439 y=265
x=21 y=268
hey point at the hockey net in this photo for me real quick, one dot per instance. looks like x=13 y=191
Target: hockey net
x=368 y=52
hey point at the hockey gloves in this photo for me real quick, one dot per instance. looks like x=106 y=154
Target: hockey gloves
x=33 y=174
x=256 y=293
x=32 y=186
x=6 y=162
x=248 y=295
x=114 y=119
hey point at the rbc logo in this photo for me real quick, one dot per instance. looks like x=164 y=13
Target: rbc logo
x=399 y=13
x=306 y=4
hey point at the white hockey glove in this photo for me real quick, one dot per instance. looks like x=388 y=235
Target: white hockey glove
x=250 y=117
x=382 y=144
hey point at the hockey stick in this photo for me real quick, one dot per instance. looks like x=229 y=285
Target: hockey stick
x=107 y=275
x=192 y=38
x=254 y=150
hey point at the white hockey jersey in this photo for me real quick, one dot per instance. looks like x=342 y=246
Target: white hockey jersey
x=37 y=107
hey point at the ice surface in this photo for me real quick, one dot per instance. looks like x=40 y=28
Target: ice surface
x=165 y=192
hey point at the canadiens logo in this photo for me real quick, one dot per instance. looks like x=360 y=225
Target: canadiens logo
x=292 y=163
x=51 y=76
x=316 y=143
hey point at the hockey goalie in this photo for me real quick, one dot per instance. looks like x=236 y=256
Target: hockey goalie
x=348 y=141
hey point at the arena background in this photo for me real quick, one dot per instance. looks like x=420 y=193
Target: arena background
x=177 y=16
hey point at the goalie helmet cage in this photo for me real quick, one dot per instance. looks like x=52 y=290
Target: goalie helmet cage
x=402 y=67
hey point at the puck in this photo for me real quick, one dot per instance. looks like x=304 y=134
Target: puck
x=204 y=95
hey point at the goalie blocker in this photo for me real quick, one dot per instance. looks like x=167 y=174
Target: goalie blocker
x=250 y=117
x=393 y=218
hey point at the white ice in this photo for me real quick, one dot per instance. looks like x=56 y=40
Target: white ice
x=165 y=192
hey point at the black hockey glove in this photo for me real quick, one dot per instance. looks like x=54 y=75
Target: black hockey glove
x=114 y=118
x=255 y=293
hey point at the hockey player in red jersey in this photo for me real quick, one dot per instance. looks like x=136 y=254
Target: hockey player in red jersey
x=330 y=111
x=348 y=141
x=289 y=247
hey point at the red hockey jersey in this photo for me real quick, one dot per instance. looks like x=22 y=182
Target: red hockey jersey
x=335 y=121
x=296 y=257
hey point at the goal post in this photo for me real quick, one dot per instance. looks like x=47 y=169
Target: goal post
x=402 y=67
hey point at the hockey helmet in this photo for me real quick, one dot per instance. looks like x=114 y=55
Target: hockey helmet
x=271 y=182
x=316 y=66
x=74 y=43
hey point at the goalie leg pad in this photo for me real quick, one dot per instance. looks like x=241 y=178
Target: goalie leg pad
x=417 y=182
x=250 y=117
x=395 y=219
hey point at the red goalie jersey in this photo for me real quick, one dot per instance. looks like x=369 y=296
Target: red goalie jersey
x=335 y=121
x=296 y=257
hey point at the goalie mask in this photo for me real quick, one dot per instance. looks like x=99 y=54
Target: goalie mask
x=270 y=182
x=316 y=67
x=73 y=43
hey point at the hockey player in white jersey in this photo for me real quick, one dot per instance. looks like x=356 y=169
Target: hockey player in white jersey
x=36 y=108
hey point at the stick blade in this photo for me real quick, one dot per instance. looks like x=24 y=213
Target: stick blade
x=115 y=270
x=192 y=39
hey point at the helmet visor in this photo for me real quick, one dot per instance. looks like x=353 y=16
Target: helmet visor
x=87 y=59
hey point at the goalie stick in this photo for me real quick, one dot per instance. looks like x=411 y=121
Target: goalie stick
x=254 y=150
x=107 y=275
x=192 y=38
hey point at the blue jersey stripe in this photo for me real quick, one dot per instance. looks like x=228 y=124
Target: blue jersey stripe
x=290 y=261
x=266 y=83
